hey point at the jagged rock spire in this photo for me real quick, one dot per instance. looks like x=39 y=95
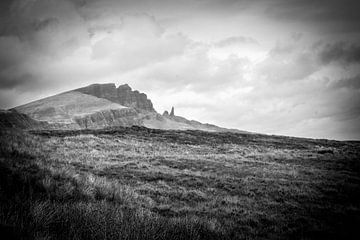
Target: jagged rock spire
x=172 y=112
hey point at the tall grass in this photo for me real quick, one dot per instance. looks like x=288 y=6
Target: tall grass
x=138 y=183
x=36 y=203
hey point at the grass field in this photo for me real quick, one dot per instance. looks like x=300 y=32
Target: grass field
x=139 y=183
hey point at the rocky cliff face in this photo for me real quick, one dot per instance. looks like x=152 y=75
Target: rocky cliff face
x=123 y=95
x=117 y=117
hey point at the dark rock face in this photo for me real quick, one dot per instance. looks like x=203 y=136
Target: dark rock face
x=172 y=112
x=135 y=99
x=166 y=113
x=123 y=95
x=120 y=117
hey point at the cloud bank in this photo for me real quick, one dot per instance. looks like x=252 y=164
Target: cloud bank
x=277 y=67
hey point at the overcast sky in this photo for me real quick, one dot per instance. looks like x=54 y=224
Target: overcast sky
x=289 y=67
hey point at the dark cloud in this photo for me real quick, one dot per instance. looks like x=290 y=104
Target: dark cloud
x=342 y=52
x=288 y=61
x=11 y=82
x=333 y=15
x=189 y=7
x=235 y=40
x=43 y=21
x=11 y=52
x=33 y=36
x=40 y=24
x=350 y=83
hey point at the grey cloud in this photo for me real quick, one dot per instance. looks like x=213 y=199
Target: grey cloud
x=141 y=41
x=296 y=36
x=170 y=6
x=196 y=72
x=46 y=25
x=39 y=25
x=6 y=99
x=340 y=52
x=11 y=82
x=34 y=35
x=321 y=10
x=286 y=62
x=336 y=15
x=282 y=49
x=351 y=83
x=235 y=40
x=5 y=6
x=11 y=52
x=13 y=56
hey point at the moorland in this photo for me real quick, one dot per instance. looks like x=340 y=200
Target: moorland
x=140 y=183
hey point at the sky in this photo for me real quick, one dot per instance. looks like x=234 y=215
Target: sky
x=285 y=67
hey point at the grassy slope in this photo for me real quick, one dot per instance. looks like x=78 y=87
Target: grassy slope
x=62 y=108
x=138 y=183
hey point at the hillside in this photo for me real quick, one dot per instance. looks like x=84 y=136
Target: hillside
x=66 y=107
x=14 y=119
x=104 y=105
x=139 y=183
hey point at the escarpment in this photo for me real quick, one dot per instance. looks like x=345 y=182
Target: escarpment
x=123 y=95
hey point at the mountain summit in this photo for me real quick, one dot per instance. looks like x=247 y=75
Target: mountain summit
x=123 y=95
x=104 y=105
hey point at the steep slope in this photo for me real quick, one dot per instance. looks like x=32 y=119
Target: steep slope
x=78 y=110
x=14 y=119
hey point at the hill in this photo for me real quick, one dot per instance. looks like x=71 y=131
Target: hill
x=14 y=119
x=104 y=105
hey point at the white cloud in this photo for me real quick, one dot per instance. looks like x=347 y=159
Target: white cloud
x=138 y=42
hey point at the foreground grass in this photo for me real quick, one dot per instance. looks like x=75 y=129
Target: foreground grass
x=137 y=183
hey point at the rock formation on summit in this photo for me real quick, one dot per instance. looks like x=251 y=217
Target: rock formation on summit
x=166 y=113
x=123 y=95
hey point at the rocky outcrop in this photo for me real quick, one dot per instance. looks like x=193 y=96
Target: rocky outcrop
x=123 y=95
x=166 y=113
x=118 y=117
x=135 y=99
